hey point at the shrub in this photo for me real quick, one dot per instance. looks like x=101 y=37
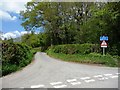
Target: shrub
x=15 y=56
x=76 y=48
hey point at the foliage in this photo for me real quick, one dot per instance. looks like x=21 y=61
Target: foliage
x=60 y=20
x=76 y=48
x=38 y=49
x=104 y=21
x=92 y=58
x=36 y=40
x=14 y=56
x=75 y=22
x=31 y=40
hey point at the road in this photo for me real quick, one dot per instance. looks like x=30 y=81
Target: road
x=46 y=72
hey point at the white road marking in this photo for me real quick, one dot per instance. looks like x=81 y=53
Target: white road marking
x=117 y=73
x=84 y=78
x=113 y=76
x=103 y=78
x=71 y=80
x=91 y=80
x=98 y=76
x=107 y=74
x=60 y=86
x=37 y=86
x=75 y=83
x=54 y=83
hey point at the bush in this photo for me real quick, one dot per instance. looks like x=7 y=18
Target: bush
x=92 y=58
x=83 y=53
x=15 y=56
x=76 y=48
x=113 y=50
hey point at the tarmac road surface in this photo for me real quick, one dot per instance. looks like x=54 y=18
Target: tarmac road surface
x=46 y=72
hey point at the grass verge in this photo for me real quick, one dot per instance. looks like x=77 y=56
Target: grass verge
x=92 y=58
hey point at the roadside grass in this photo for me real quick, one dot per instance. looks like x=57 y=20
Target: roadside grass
x=92 y=58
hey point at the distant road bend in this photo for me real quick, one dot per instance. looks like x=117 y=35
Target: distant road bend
x=46 y=72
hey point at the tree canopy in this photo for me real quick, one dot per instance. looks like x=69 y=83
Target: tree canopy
x=74 y=22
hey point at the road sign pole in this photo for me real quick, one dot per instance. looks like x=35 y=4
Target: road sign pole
x=103 y=50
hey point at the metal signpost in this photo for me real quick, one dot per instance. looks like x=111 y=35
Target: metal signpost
x=104 y=44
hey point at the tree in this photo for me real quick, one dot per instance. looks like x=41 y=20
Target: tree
x=104 y=21
x=61 y=20
x=68 y=23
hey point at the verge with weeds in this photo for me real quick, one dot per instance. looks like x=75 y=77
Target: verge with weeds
x=87 y=58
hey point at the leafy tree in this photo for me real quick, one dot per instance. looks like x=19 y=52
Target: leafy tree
x=104 y=21
x=71 y=22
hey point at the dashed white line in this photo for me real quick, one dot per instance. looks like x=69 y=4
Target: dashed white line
x=91 y=80
x=37 y=86
x=113 y=76
x=54 y=83
x=98 y=76
x=71 y=80
x=75 y=83
x=103 y=78
x=84 y=78
x=107 y=74
x=60 y=86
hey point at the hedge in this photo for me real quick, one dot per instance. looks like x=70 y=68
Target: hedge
x=15 y=56
x=76 y=48
x=83 y=53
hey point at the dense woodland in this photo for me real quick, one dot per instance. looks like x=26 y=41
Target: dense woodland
x=72 y=23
